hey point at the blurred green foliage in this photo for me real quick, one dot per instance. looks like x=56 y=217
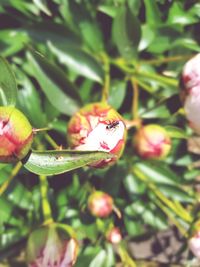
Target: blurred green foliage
x=83 y=46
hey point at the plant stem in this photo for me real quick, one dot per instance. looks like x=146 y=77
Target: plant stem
x=181 y=212
x=135 y=98
x=127 y=261
x=51 y=141
x=182 y=230
x=141 y=74
x=167 y=59
x=14 y=172
x=45 y=202
x=106 y=87
x=158 y=78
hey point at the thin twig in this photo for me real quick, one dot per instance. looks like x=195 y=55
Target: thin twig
x=14 y=172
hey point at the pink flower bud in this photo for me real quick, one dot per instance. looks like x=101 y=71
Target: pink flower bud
x=114 y=235
x=16 y=135
x=50 y=246
x=152 y=142
x=98 y=127
x=190 y=94
x=194 y=244
x=100 y=204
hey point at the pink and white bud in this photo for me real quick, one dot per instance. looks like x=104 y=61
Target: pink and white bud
x=16 y=135
x=152 y=142
x=98 y=127
x=194 y=245
x=114 y=235
x=50 y=246
x=100 y=204
x=190 y=94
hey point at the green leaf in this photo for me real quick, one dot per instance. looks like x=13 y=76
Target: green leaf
x=177 y=15
x=99 y=260
x=79 y=61
x=175 y=193
x=8 y=86
x=12 y=41
x=156 y=112
x=148 y=36
x=117 y=93
x=133 y=185
x=60 y=92
x=56 y=33
x=152 y=13
x=80 y=17
x=176 y=132
x=108 y=10
x=126 y=32
x=157 y=173
x=133 y=227
x=42 y=5
x=29 y=102
x=55 y=162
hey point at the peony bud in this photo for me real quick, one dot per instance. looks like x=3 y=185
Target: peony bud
x=16 y=135
x=194 y=245
x=100 y=204
x=98 y=127
x=190 y=95
x=152 y=142
x=51 y=246
x=114 y=235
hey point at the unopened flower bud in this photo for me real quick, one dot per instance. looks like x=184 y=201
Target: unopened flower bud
x=98 y=127
x=100 y=204
x=190 y=93
x=51 y=246
x=16 y=135
x=194 y=245
x=152 y=142
x=114 y=235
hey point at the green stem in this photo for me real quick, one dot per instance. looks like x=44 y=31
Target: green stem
x=106 y=87
x=14 y=172
x=45 y=202
x=127 y=261
x=169 y=214
x=181 y=212
x=158 y=78
x=135 y=98
x=138 y=73
x=167 y=59
x=51 y=141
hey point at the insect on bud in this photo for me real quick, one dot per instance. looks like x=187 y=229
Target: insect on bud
x=100 y=204
x=152 y=142
x=98 y=127
x=190 y=93
x=114 y=235
x=51 y=246
x=16 y=135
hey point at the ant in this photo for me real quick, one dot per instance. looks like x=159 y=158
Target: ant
x=112 y=125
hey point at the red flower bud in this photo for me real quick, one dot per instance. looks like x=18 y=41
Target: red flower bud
x=190 y=94
x=98 y=127
x=114 y=235
x=51 y=246
x=100 y=204
x=152 y=142
x=16 y=135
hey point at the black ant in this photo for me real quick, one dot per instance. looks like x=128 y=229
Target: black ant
x=112 y=125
